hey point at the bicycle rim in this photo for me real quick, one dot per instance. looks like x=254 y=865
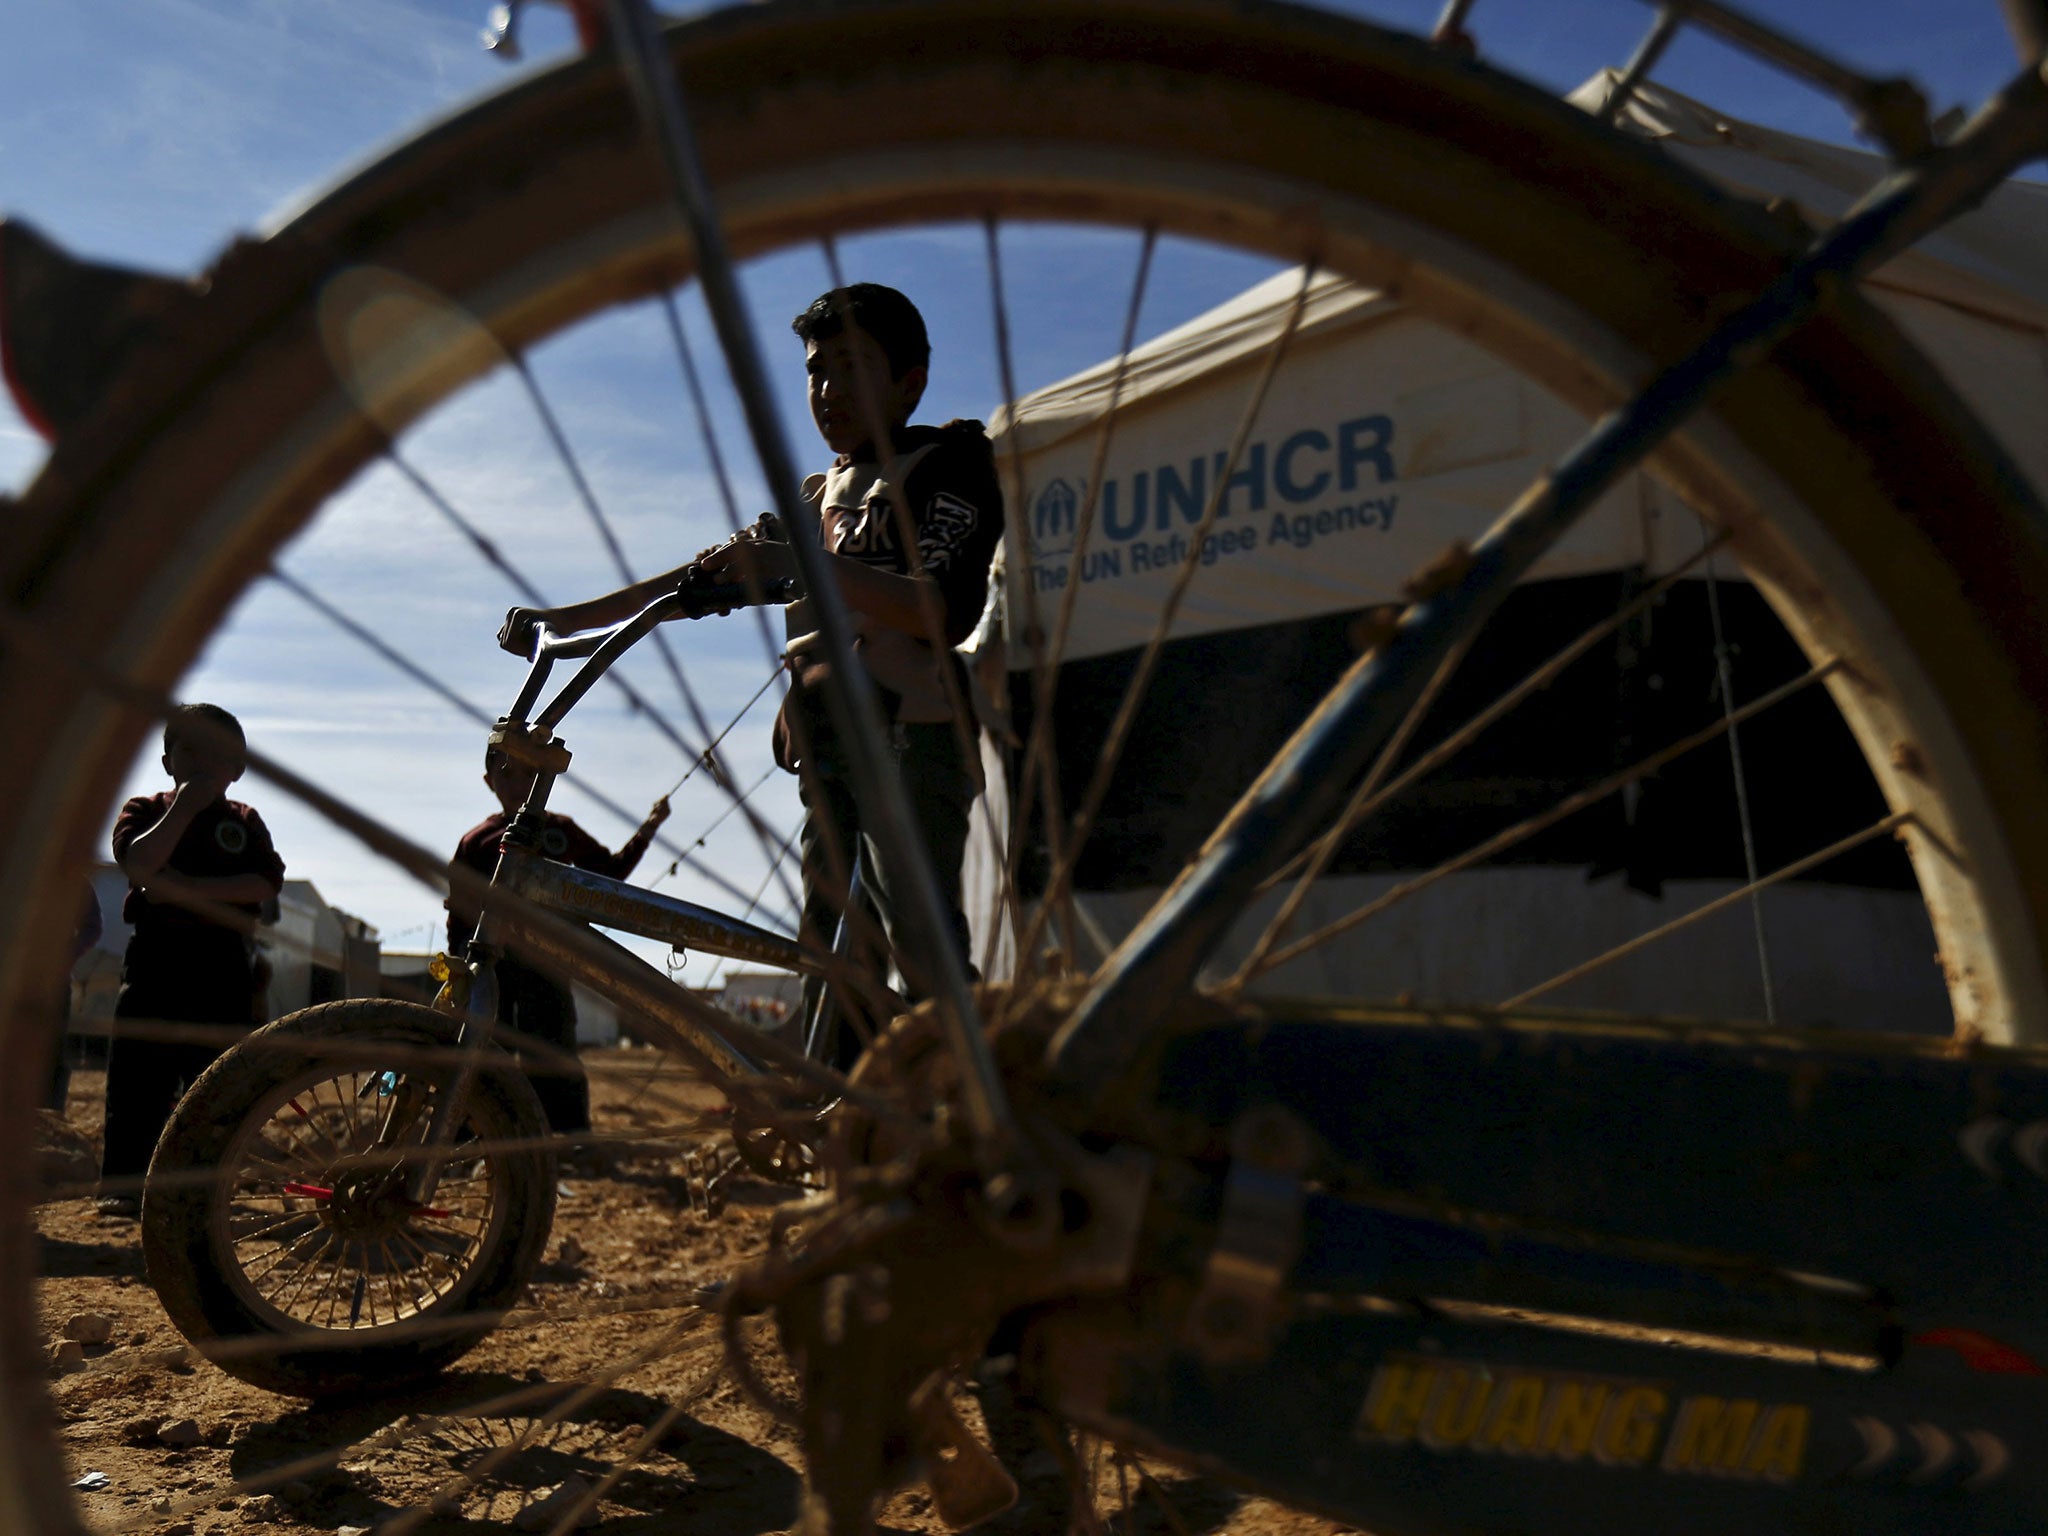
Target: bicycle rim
x=268 y=1232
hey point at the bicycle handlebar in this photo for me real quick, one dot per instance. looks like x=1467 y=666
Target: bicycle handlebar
x=693 y=598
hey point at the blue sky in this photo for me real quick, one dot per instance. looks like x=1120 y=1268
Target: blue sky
x=151 y=131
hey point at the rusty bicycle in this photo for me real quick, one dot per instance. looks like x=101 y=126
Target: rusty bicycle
x=1421 y=1263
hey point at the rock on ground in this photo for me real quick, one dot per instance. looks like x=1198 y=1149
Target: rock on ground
x=67 y=1160
x=89 y=1327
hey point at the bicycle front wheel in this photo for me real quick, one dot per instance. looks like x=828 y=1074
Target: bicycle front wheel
x=278 y=1223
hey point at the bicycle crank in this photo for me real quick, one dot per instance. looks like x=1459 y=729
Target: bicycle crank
x=899 y=1285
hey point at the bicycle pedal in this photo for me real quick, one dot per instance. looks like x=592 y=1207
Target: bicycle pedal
x=968 y=1484
x=705 y=1173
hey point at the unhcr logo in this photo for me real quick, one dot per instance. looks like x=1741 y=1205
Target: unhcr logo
x=1053 y=518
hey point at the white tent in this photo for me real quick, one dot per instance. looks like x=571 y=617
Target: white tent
x=1384 y=437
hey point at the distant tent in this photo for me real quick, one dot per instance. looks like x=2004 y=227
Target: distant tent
x=1385 y=436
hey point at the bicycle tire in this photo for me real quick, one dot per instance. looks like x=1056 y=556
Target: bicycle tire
x=1879 y=517
x=193 y=1189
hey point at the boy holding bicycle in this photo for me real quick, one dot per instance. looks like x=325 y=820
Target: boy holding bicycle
x=909 y=518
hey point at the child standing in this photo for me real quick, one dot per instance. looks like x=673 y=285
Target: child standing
x=201 y=870
x=529 y=1001
x=867 y=357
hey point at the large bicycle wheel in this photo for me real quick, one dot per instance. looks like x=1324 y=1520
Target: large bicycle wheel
x=1870 y=510
x=279 y=1224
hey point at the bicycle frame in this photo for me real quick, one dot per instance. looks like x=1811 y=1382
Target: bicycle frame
x=676 y=1018
x=1452 y=1257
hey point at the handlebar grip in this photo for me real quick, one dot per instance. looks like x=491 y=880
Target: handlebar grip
x=700 y=596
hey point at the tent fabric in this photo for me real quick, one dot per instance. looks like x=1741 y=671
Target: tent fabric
x=1973 y=295
x=1990 y=258
x=1378 y=443
x=1232 y=333
x=1384 y=437
x=1981 y=285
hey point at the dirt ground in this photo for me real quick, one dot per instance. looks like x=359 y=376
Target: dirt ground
x=609 y=1373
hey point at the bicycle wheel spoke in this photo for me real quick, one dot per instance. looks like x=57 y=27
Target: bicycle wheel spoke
x=764 y=835
x=266 y=1261
x=346 y=1287
x=606 y=534
x=494 y=557
x=477 y=713
x=485 y=547
x=318 y=1123
x=1040 y=763
x=1500 y=842
x=1148 y=661
x=425 y=1258
x=404 y=1297
x=1797 y=867
x=851 y=697
x=373 y=1284
x=1454 y=743
x=1017 y=534
x=686 y=361
x=266 y=1224
x=730 y=502
x=363 y=1124
x=1369 y=789
x=307 y=1255
x=1724 y=679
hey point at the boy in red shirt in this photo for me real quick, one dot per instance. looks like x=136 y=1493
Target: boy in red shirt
x=529 y=1001
x=201 y=871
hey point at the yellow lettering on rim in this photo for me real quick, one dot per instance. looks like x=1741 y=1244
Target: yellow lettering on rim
x=1778 y=1451
x=1571 y=1413
x=1628 y=1430
x=1457 y=1407
x=1394 y=1404
x=1516 y=1422
x=1711 y=1435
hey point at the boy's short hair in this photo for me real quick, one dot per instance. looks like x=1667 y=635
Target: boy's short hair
x=206 y=722
x=880 y=311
